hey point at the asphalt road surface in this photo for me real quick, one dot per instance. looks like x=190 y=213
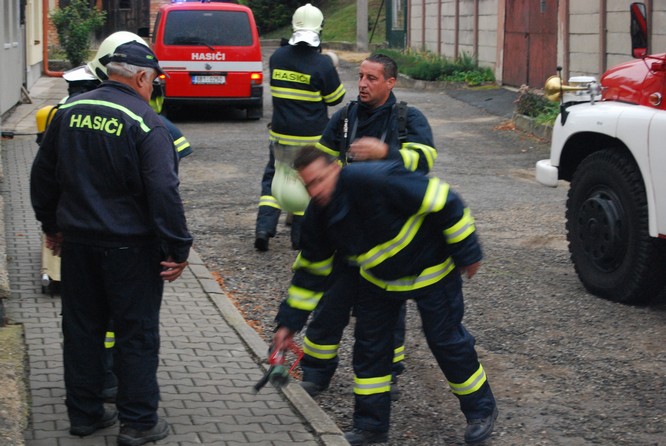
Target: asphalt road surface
x=567 y=368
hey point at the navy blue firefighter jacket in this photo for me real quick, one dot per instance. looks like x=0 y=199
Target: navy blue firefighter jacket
x=415 y=148
x=404 y=230
x=107 y=173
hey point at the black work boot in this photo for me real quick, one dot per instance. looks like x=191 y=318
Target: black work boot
x=359 y=437
x=109 y=418
x=480 y=429
x=261 y=241
x=134 y=437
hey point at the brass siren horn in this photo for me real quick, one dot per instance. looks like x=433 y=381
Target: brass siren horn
x=554 y=89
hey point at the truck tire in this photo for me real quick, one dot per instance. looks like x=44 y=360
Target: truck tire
x=607 y=229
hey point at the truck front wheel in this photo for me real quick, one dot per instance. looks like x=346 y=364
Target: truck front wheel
x=607 y=229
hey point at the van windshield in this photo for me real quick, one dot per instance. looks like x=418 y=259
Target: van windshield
x=207 y=28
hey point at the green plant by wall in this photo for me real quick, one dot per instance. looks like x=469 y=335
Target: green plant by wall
x=75 y=24
x=532 y=103
x=431 y=67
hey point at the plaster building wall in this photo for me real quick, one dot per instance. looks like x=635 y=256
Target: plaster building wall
x=593 y=35
x=12 y=55
x=33 y=41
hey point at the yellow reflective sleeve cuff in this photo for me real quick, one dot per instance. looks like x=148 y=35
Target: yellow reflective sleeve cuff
x=427 y=152
x=181 y=144
x=435 y=196
x=337 y=94
x=270 y=201
x=410 y=158
x=109 y=339
x=399 y=354
x=321 y=268
x=325 y=149
x=303 y=299
x=319 y=351
x=473 y=384
x=372 y=386
x=461 y=230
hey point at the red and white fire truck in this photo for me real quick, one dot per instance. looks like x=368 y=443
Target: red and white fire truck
x=609 y=143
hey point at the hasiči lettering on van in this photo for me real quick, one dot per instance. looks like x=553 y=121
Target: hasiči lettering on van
x=209 y=56
x=293 y=76
x=101 y=123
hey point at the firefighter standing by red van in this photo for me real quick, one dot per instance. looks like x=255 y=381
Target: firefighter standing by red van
x=304 y=83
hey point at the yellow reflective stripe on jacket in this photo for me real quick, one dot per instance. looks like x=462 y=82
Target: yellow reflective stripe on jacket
x=428 y=152
x=321 y=268
x=299 y=213
x=125 y=110
x=461 y=230
x=181 y=144
x=292 y=140
x=319 y=351
x=295 y=94
x=109 y=339
x=473 y=384
x=372 y=386
x=337 y=94
x=325 y=149
x=399 y=354
x=303 y=299
x=386 y=250
x=433 y=201
x=427 y=277
x=270 y=201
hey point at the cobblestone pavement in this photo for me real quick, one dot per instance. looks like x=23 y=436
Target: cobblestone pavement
x=210 y=358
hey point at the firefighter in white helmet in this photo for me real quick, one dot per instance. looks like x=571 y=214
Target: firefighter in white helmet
x=304 y=83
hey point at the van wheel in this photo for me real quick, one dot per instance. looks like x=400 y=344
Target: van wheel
x=255 y=112
x=607 y=229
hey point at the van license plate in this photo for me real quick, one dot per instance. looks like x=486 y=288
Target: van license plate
x=217 y=80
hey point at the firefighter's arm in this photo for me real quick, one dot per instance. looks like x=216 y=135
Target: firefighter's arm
x=367 y=148
x=418 y=150
x=460 y=234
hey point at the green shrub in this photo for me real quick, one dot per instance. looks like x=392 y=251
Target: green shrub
x=532 y=103
x=430 y=67
x=75 y=24
x=271 y=15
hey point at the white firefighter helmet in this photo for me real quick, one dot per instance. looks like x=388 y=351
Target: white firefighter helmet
x=306 y=22
x=307 y=18
x=107 y=47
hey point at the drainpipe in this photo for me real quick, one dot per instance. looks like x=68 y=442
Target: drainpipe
x=45 y=41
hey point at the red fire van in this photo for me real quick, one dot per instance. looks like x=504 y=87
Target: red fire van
x=211 y=54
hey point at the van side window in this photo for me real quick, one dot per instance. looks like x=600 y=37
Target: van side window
x=207 y=28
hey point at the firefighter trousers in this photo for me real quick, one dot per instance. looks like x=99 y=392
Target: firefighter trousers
x=441 y=309
x=269 y=210
x=327 y=323
x=122 y=284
